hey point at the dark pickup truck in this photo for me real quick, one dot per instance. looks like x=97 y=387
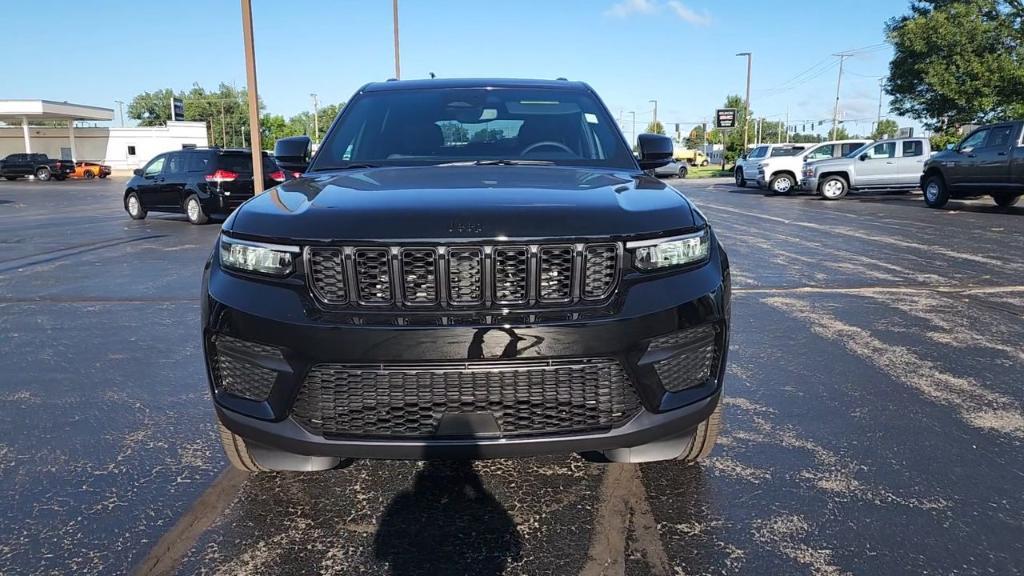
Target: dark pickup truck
x=39 y=165
x=988 y=162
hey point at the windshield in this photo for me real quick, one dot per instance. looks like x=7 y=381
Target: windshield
x=444 y=125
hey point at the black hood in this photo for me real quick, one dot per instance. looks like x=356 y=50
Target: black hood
x=463 y=203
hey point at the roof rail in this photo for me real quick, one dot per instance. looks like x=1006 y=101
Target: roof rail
x=562 y=78
x=392 y=80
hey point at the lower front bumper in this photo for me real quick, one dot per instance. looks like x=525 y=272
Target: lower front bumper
x=809 y=184
x=644 y=429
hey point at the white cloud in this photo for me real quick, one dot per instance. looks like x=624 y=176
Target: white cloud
x=628 y=7
x=687 y=14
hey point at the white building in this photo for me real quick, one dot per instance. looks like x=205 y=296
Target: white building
x=121 y=148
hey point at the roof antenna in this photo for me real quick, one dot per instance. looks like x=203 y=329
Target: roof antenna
x=432 y=75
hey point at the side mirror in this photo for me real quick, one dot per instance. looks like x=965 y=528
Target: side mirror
x=743 y=157
x=655 y=150
x=966 y=150
x=863 y=156
x=137 y=171
x=292 y=154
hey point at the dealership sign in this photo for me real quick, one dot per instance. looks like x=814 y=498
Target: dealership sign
x=725 y=118
x=177 y=109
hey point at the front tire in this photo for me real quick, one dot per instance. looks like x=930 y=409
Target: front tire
x=703 y=164
x=740 y=180
x=237 y=452
x=43 y=174
x=781 y=184
x=1006 y=200
x=704 y=437
x=89 y=175
x=834 y=188
x=134 y=207
x=935 y=192
x=683 y=170
x=194 y=211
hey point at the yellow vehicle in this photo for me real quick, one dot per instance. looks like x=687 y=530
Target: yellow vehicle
x=691 y=157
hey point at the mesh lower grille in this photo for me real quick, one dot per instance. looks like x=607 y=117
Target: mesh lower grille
x=600 y=263
x=695 y=358
x=536 y=398
x=234 y=374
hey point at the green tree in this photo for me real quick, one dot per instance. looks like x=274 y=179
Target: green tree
x=272 y=127
x=958 y=62
x=454 y=132
x=655 y=127
x=695 y=139
x=885 y=128
x=151 y=108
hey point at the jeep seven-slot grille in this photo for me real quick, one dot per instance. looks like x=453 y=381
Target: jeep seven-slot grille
x=482 y=276
x=555 y=397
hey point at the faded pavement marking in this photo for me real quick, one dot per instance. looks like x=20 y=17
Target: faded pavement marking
x=974 y=404
x=624 y=505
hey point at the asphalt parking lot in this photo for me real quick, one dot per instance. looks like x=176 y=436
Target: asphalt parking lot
x=874 y=417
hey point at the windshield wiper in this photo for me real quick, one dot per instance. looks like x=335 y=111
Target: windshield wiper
x=503 y=162
x=352 y=166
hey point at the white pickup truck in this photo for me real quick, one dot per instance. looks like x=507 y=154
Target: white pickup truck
x=780 y=173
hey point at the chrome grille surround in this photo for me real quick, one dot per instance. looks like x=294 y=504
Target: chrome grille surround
x=457 y=276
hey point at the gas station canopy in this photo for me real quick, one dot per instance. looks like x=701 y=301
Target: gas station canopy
x=26 y=110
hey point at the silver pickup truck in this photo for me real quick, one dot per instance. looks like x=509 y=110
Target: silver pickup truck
x=895 y=164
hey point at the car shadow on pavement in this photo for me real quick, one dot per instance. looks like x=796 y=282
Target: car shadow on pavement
x=448 y=523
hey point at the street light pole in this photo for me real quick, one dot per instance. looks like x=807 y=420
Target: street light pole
x=633 y=132
x=254 y=101
x=398 y=66
x=120 y=107
x=746 y=103
x=839 y=83
x=655 y=102
x=316 y=117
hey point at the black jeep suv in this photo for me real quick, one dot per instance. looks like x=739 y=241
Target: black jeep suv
x=200 y=182
x=468 y=269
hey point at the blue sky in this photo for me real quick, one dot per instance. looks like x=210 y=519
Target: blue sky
x=680 y=52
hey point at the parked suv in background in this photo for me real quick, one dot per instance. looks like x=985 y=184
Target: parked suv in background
x=780 y=174
x=746 y=167
x=468 y=269
x=894 y=164
x=200 y=182
x=989 y=161
x=41 y=166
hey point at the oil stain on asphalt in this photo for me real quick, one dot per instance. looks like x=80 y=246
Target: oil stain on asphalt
x=873 y=417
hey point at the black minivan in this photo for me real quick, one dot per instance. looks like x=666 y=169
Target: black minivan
x=199 y=182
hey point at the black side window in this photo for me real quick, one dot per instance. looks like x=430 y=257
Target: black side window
x=175 y=164
x=913 y=148
x=999 y=137
x=975 y=140
x=197 y=162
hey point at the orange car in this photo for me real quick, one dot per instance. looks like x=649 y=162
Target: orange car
x=90 y=170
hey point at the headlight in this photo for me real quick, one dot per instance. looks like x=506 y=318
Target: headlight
x=270 y=259
x=676 y=251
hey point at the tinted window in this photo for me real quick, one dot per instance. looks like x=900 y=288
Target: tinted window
x=155 y=167
x=974 y=140
x=849 y=148
x=197 y=162
x=999 y=137
x=883 y=150
x=913 y=148
x=242 y=163
x=787 y=151
x=131 y=150
x=175 y=164
x=759 y=152
x=821 y=152
x=433 y=126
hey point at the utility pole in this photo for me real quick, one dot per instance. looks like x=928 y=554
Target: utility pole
x=316 y=117
x=254 y=101
x=881 y=83
x=398 y=66
x=120 y=106
x=746 y=103
x=223 y=127
x=839 y=83
x=655 y=102
x=633 y=132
